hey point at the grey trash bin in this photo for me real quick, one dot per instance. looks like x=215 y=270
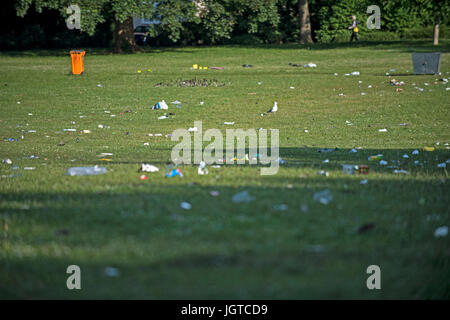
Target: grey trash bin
x=426 y=63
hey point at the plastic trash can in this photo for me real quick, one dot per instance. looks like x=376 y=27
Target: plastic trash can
x=426 y=63
x=77 y=57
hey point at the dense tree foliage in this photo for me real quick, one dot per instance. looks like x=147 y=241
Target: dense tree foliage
x=239 y=21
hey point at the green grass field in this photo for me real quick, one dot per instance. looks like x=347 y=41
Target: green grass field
x=221 y=249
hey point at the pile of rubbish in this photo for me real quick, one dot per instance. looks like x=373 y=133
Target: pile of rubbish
x=192 y=83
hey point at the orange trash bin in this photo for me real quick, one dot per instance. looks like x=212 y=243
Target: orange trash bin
x=77 y=57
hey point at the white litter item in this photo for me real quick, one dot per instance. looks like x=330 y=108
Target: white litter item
x=442 y=165
x=86 y=171
x=161 y=105
x=383 y=162
x=176 y=102
x=382 y=130
x=193 y=129
x=149 y=168
x=415 y=152
x=202 y=170
x=186 y=205
x=7 y=161
x=162 y=117
x=400 y=171
x=324 y=197
x=228 y=123
x=405 y=156
x=310 y=65
x=355 y=73
x=441 y=232
x=70 y=130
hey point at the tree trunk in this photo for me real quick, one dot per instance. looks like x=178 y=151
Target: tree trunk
x=305 y=22
x=436 y=29
x=124 y=37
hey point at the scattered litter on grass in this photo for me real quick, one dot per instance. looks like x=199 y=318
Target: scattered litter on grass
x=324 y=197
x=86 y=171
x=193 y=129
x=428 y=149
x=202 y=170
x=383 y=162
x=382 y=130
x=280 y=207
x=214 y=193
x=310 y=65
x=323 y=173
x=163 y=117
x=7 y=161
x=174 y=173
x=349 y=168
x=441 y=232
x=149 y=168
x=377 y=157
x=143 y=177
x=161 y=105
x=243 y=196
x=228 y=123
x=29 y=168
x=400 y=172
x=186 y=205
x=355 y=73
x=111 y=272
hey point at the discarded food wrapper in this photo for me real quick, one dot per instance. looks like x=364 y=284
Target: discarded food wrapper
x=7 y=161
x=355 y=73
x=174 y=172
x=377 y=157
x=163 y=117
x=161 y=105
x=428 y=149
x=149 y=168
x=143 y=177
x=185 y=205
x=310 y=65
x=86 y=171
x=228 y=123
x=382 y=130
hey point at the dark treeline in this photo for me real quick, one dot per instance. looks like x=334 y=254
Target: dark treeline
x=248 y=22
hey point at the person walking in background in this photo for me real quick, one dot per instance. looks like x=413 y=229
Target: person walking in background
x=355 y=29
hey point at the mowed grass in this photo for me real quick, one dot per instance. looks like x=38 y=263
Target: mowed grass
x=222 y=249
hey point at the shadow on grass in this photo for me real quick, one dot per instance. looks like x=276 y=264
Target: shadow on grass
x=221 y=249
x=400 y=45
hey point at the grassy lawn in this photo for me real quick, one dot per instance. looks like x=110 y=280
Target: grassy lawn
x=222 y=249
